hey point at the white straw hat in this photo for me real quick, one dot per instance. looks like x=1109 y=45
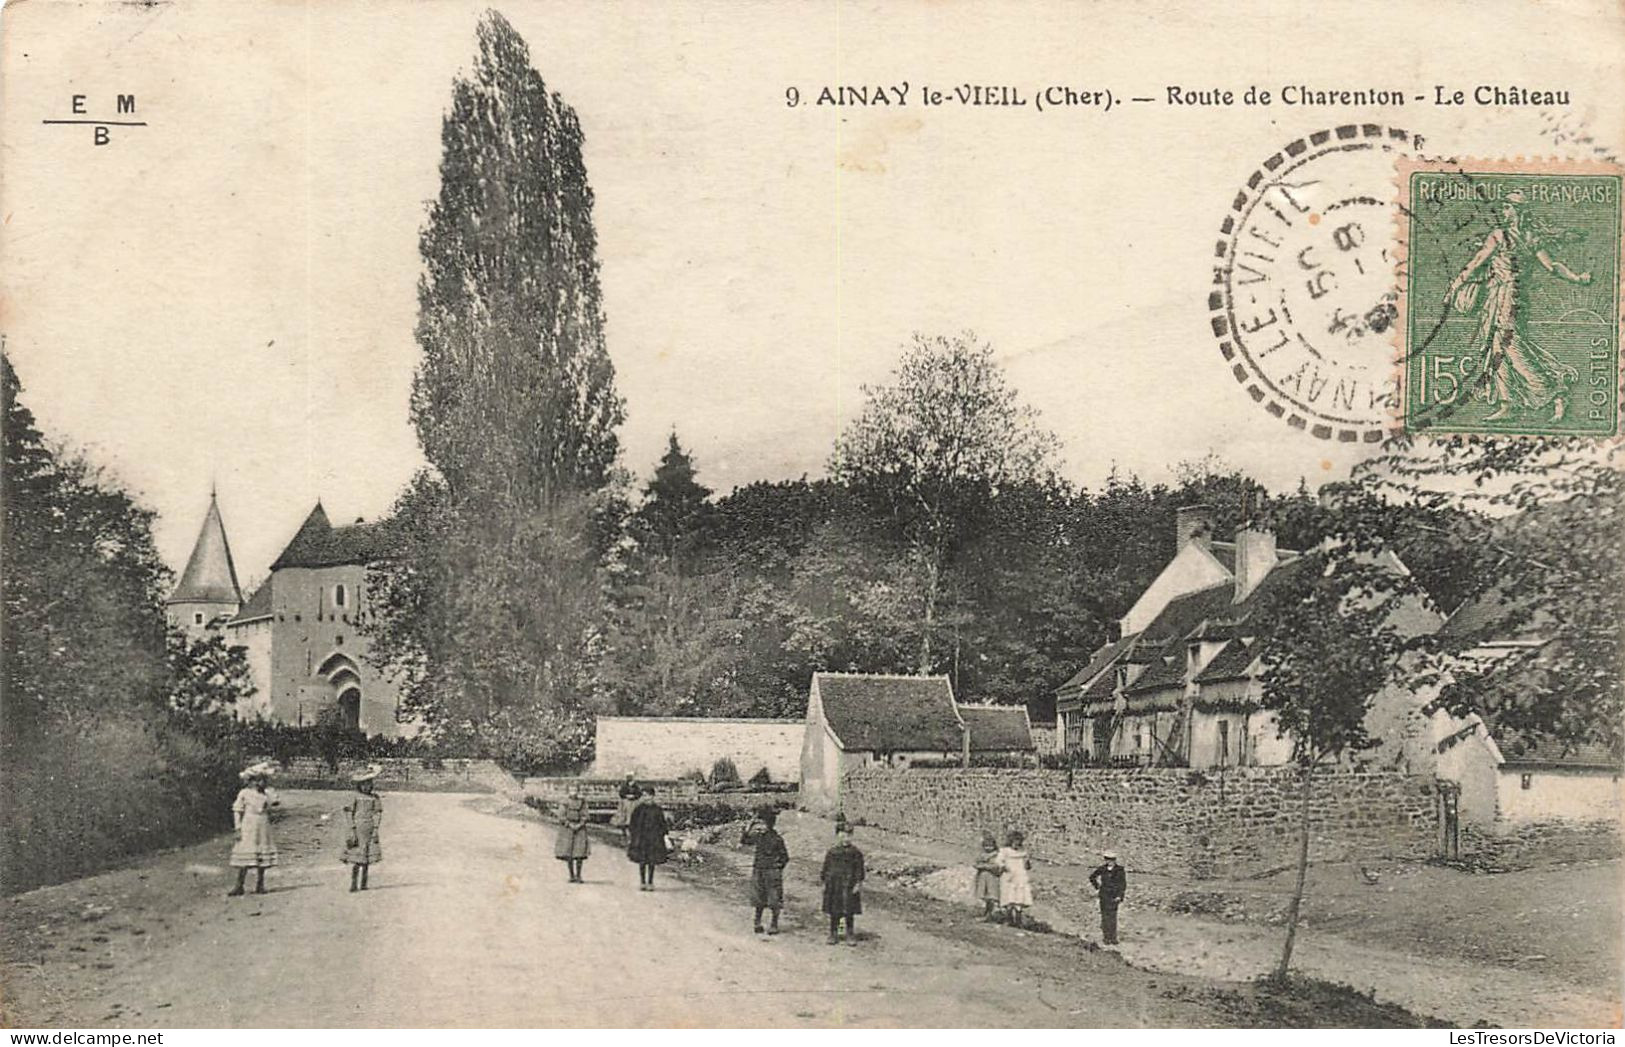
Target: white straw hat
x=372 y=771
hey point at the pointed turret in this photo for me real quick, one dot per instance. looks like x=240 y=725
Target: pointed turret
x=208 y=586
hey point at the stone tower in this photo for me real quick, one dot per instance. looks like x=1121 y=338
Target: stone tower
x=207 y=592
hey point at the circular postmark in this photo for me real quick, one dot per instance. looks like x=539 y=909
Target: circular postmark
x=1305 y=294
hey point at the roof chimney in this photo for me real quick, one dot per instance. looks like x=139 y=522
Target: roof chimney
x=1255 y=556
x=1192 y=523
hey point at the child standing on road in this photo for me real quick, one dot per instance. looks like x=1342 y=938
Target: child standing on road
x=987 y=875
x=767 y=869
x=571 y=845
x=255 y=849
x=366 y=811
x=1015 y=887
x=842 y=876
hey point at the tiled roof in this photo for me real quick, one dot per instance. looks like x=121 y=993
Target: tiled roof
x=885 y=713
x=1549 y=752
x=1230 y=663
x=1481 y=616
x=1167 y=673
x=258 y=605
x=1103 y=660
x=210 y=576
x=318 y=543
x=1207 y=612
x=997 y=727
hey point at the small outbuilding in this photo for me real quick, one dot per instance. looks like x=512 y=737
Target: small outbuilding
x=999 y=732
x=859 y=720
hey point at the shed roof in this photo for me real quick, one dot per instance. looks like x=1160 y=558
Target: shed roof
x=998 y=728
x=874 y=713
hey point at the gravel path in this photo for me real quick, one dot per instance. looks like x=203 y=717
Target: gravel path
x=470 y=923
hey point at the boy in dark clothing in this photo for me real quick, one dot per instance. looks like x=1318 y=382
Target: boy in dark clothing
x=767 y=869
x=1111 y=882
x=842 y=877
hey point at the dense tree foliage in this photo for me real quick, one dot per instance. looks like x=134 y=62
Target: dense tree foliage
x=1532 y=534
x=490 y=608
x=89 y=667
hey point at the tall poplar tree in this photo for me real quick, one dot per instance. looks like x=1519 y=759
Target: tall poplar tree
x=490 y=608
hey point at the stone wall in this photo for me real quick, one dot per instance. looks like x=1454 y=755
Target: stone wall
x=410 y=775
x=1540 y=844
x=670 y=746
x=1185 y=822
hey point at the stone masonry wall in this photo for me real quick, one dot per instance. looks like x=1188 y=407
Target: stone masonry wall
x=1196 y=823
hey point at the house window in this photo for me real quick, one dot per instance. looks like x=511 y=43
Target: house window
x=338 y=596
x=1526 y=780
x=197 y=617
x=1139 y=737
x=1224 y=743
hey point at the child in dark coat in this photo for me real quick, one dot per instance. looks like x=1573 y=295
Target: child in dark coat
x=767 y=869
x=842 y=877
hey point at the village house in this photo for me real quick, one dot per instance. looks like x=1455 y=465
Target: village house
x=301 y=628
x=1181 y=686
x=861 y=720
x=1504 y=782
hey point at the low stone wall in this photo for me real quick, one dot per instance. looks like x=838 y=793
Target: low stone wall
x=1197 y=823
x=1541 y=843
x=402 y=775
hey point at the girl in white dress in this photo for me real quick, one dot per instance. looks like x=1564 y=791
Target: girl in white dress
x=251 y=813
x=1015 y=886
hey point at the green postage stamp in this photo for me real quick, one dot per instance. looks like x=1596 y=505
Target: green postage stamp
x=1510 y=292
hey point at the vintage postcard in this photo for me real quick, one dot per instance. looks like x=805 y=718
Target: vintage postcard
x=751 y=515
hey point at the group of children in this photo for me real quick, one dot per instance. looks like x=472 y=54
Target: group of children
x=841 y=875
x=1003 y=879
x=255 y=846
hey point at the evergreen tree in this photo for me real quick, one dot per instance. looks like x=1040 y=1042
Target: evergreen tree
x=672 y=520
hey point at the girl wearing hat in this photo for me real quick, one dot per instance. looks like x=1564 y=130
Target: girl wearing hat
x=571 y=846
x=251 y=816
x=366 y=811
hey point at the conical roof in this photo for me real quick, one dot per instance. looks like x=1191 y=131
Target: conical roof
x=210 y=575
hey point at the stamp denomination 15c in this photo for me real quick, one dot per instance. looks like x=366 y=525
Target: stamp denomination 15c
x=1510 y=294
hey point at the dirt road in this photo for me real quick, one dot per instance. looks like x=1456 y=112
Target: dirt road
x=471 y=923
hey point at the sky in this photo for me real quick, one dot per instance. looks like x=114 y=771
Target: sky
x=226 y=296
